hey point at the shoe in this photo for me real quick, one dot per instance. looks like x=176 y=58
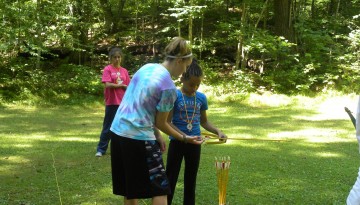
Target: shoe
x=98 y=154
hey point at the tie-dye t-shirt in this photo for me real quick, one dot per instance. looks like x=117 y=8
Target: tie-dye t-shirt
x=150 y=90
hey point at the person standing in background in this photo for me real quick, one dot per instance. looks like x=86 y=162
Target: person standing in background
x=116 y=79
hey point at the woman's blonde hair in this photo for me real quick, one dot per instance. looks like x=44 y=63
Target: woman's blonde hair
x=177 y=48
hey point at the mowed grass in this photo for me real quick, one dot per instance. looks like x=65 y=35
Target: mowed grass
x=47 y=153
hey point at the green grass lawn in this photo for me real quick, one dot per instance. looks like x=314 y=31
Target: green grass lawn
x=47 y=153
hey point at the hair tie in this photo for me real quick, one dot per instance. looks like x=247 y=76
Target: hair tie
x=187 y=56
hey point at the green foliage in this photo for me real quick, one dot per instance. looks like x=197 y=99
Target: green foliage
x=224 y=83
x=52 y=84
x=324 y=54
x=350 y=62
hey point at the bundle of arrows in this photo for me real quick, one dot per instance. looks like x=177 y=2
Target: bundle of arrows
x=222 y=166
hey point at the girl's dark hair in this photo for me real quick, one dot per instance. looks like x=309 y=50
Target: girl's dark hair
x=114 y=50
x=193 y=70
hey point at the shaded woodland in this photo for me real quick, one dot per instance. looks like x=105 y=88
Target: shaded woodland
x=56 y=49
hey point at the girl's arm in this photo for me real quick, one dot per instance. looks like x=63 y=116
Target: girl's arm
x=106 y=79
x=162 y=123
x=208 y=126
x=113 y=85
x=123 y=85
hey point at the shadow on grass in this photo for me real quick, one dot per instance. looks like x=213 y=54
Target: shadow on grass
x=38 y=143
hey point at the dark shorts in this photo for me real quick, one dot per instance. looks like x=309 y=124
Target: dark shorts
x=137 y=168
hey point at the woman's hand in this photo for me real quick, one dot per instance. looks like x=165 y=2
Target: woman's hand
x=160 y=140
x=162 y=143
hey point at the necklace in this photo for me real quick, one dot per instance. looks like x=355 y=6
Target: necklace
x=189 y=125
x=118 y=76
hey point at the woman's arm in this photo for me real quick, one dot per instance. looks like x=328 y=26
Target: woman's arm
x=169 y=119
x=160 y=139
x=162 y=123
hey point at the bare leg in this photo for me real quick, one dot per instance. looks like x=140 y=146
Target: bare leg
x=354 y=195
x=130 y=201
x=159 y=200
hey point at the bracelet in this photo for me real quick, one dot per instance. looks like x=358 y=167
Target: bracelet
x=184 y=138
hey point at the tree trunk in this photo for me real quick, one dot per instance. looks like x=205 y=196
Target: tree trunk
x=240 y=54
x=117 y=20
x=108 y=16
x=179 y=28
x=337 y=8
x=191 y=25
x=136 y=23
x=79 y=55
x=155 y=21
x=112 y=18
x=39 y=31
x=262 y=15
x=313 y=9
x=283 y=20
x=332 y=7
x=201 y=35
x=190 y=29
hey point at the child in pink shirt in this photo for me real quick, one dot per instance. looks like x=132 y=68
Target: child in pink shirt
x=116 y=79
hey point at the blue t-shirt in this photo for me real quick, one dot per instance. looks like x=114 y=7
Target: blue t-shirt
x=179 y=114
x=150 y=90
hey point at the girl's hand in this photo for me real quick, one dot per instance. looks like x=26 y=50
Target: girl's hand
x=123 y=86
x=198 y=140
x=222 y=136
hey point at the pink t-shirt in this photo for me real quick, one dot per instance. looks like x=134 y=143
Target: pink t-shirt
x=113 y=96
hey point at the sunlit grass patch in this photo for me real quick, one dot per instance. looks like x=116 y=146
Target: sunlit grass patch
x=294 y=150
x=311 y=135
x=78 y=139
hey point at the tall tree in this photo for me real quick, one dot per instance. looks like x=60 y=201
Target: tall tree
x=334 y=6
x=283 y=19
x=240 y=54
x=113 y=11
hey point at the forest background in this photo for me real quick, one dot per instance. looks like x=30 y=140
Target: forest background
x=54 y=51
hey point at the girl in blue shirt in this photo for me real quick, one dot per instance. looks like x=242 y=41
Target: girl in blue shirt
x=188 y=114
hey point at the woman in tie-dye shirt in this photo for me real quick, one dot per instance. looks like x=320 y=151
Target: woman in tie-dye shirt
x=136 y=160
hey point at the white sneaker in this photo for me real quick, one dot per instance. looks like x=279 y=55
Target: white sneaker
x=98 y=154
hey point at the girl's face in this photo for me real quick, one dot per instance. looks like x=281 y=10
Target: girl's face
x=116 y=59
x=190 y=86
x=181 y=66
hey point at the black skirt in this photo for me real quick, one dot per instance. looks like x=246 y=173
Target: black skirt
x=137 y=168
